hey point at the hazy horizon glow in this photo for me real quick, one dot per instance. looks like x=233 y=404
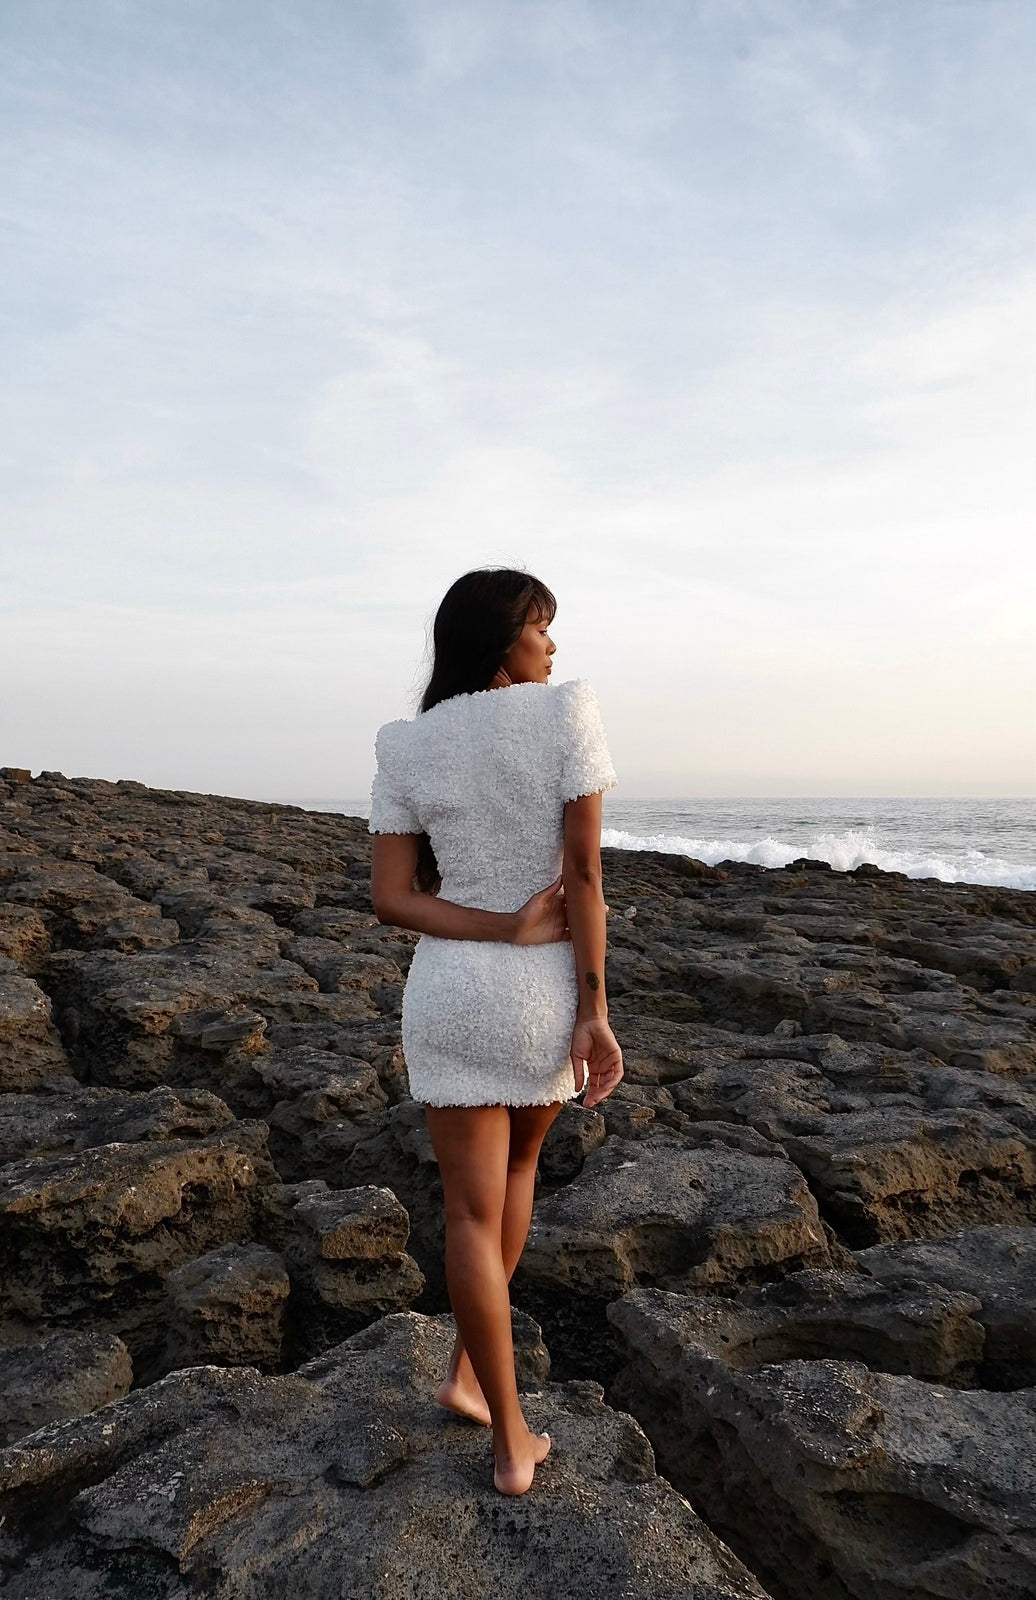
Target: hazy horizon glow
x=718 y=316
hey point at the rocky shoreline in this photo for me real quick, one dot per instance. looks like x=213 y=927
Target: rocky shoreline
x=778 y=1307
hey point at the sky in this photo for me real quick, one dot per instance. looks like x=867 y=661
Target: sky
x=717 y=315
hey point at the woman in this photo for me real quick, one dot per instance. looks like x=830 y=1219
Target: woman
x=477 y=803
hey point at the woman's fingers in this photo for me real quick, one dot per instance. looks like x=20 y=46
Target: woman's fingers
x=601 y=1081
x=542 y=919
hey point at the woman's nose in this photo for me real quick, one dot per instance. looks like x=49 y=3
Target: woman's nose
x=551 y=646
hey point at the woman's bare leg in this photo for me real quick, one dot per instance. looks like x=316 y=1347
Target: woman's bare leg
x=529 y=1124
x=471 y=1146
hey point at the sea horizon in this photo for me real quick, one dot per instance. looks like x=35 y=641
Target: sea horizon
x=977 y=840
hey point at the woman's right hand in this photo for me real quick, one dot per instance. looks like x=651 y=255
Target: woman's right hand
x=542 y=919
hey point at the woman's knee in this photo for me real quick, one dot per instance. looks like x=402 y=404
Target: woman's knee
x=474 y=1211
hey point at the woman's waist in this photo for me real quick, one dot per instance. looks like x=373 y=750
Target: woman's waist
x=448 y=957
x=503 y=891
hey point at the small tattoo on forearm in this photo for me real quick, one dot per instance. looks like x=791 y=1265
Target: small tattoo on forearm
x=593 y=981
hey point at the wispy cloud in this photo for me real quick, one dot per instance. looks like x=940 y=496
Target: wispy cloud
x=718 y=315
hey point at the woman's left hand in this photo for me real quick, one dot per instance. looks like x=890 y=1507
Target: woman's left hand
x=594 y=1043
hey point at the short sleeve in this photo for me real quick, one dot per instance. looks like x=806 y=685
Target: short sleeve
x=586 y=766
x=392 y=809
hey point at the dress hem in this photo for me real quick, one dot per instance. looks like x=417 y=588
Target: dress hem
x=462 y=1105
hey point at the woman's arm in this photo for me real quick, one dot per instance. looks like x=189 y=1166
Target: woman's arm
x=541 y=920
x=592 y=1038
x=584 y=900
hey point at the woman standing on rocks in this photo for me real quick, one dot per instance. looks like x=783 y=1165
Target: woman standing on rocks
x=492 y=791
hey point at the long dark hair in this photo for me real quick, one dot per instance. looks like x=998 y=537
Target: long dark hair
x=479 y=619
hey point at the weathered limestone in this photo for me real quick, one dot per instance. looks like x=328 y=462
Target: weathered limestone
x=71 y=1116
x=892 y=1147
x=227 y=1307
x=60 y=1375
x=998 y=1266
x=348 y=1263
x=323 y=1103
x=88 y=1237
x=661 y=1212
x=125 y=1015
x=574 y=1134
x=319 y=1492
x=831 y=1480
x=814 y=1061
x=30 y=1050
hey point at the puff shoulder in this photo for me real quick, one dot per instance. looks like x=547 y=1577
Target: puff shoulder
x=392 y=806
x=586 y=764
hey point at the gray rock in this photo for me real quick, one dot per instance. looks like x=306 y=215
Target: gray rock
x=860 y=1484
x=89 y=1237
x=397 y=1152
x=227 y=1306
x=30 y=1050
x=129 y=1009
x=323 y=1103
x=882 y=1143
x=574 y=1133
x=666 y=1213
x=337 y=970
x=348 y=1264
x=24 y=938
x=874 y=1033
x=60 y=1375
x=218 y=1030
x=998 y=1266
x=74 y=1116
x=319 y=1492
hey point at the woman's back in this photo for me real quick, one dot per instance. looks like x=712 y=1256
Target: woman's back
x=486 y=776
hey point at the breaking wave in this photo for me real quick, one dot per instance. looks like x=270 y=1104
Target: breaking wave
x=841 y=850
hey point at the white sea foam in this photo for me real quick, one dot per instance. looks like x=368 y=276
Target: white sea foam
x=842 y=850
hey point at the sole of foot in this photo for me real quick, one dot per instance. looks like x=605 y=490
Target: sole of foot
x=463 y=1403
x=515 y=1478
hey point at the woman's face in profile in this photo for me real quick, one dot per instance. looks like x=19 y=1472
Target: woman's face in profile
x=528 y=660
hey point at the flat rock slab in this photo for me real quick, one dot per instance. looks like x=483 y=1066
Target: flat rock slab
x=234 y=1486
x=130 y=1014
x=70 y=1115
x=848 y=1482
x=916 y=1329
x=669 y=1213
x=893 y=1148
x=998 y=1266
x=660 y=1211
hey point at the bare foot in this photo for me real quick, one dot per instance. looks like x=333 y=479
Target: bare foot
x=470 y=1403
x=514 y=1474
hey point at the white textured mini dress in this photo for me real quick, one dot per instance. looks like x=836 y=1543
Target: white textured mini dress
x=486 y=776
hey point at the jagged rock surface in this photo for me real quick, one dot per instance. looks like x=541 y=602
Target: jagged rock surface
x=827 y=1123
x=318 y=1491
x=663 y=1211
x=61 y=1375
x=832 y=1479
x=996 y=1265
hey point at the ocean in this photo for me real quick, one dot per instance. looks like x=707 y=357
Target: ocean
x=958 y=841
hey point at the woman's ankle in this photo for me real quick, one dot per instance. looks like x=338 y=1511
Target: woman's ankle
x=512 y=1443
